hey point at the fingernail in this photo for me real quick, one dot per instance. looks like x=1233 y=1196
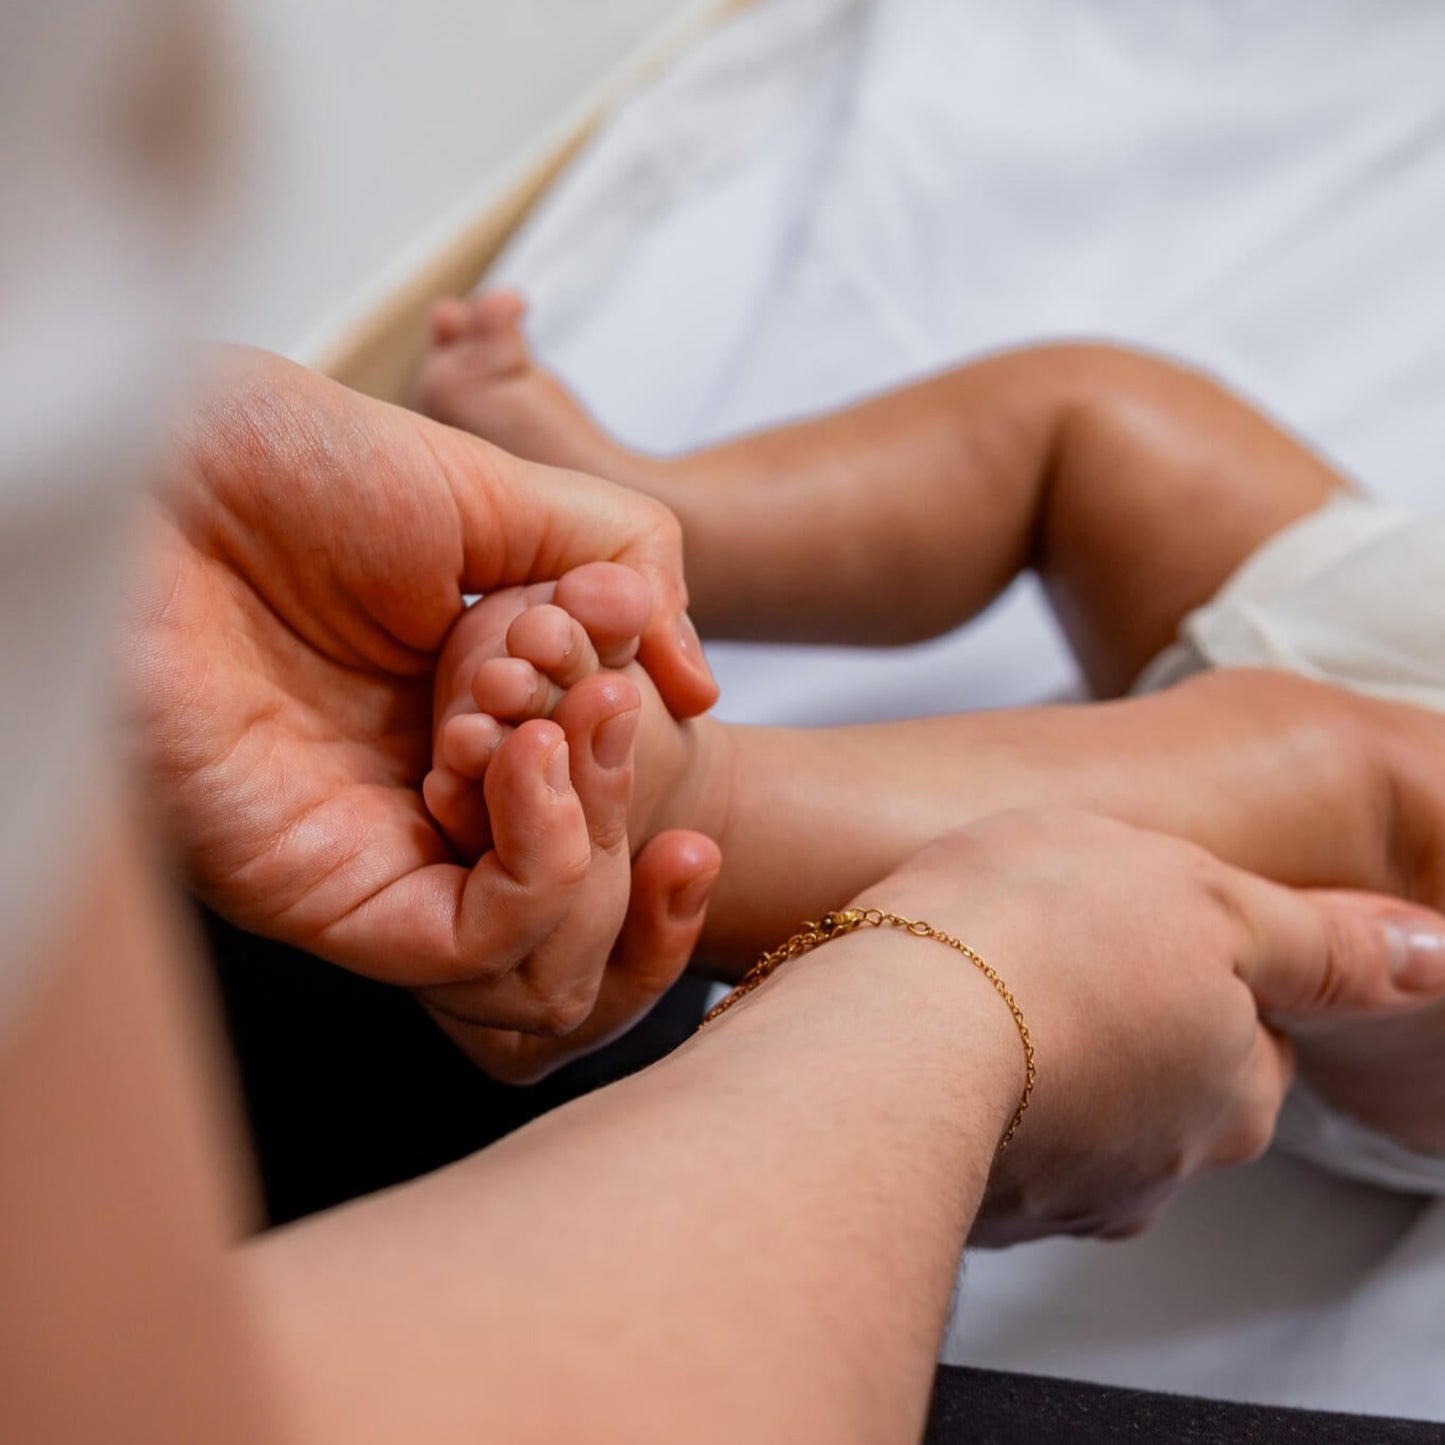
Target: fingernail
x=612 y=742
x=557 y=770
x=690 y=645
x=687 y=902
x=688 y=640
x=1417 y=956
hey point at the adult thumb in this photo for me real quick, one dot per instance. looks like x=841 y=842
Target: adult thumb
x=1338 y=953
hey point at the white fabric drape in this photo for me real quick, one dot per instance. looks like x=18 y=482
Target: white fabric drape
x=887 y=188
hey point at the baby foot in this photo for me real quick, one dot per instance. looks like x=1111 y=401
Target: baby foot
x=568 y=941
x=561 y=651
x=480 y=376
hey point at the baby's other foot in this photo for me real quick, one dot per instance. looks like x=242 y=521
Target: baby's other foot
x=563 y=652
x=480 y=376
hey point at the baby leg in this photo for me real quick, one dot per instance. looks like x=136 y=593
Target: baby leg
x=1160 y=484
x=1301 y=782
x=1133 y=485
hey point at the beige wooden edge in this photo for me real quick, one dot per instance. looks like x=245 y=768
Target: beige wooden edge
x=379 y=353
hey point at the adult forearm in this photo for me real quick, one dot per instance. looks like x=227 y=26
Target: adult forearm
x=753 y=1240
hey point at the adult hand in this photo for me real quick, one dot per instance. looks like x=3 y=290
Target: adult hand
x=1152 y=978
x=308 y=558
x=1387 y=1071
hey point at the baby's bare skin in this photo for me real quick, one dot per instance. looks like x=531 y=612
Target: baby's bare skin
x=1135 y=488
x=1300 y=782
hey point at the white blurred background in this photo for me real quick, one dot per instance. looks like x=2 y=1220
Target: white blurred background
x=374 y=122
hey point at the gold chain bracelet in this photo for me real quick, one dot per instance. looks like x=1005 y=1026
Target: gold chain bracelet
x=848 y=920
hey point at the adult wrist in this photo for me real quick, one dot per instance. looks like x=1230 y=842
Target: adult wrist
x=961 y=991
x=896 y=1002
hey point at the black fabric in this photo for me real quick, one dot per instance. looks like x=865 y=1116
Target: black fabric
x=349 y=1087
x=987 y=1407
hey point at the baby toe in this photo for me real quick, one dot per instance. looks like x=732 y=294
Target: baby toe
x=511 y=689
x=449 y=319
x=460 y=810
x=612 y=602
x=555 y=643
x=496 y=310
x=467 y=742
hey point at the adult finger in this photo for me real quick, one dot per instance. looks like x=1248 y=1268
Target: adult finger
x=1335 y=953
x=672 y=880
x=1249 y=1128
x=523 y=522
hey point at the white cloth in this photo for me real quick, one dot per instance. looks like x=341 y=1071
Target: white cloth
x=1311 y=1129
x=1259 y=188
x=1353 y=594
x=93 y=276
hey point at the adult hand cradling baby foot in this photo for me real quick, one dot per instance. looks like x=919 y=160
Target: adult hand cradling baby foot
x=307 y=562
